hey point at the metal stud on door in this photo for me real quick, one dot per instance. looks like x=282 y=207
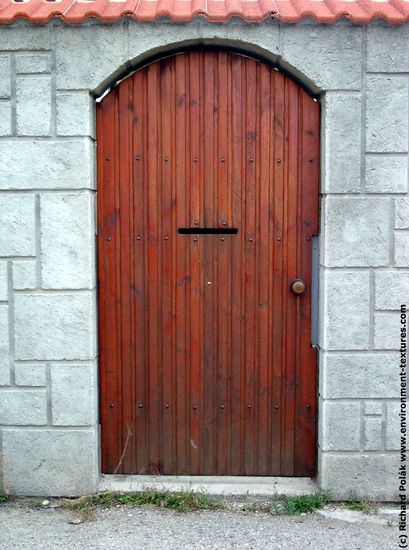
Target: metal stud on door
x=207 y=203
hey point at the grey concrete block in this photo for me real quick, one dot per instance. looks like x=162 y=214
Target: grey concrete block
x=386 y=174
x=4 y=287
x=373 y=436
x=73 y=395
x=388 y=48
x=30 y=63
x=25 y=37
x=401 y=249
x=393 y=426
x=342 y=143
x=341 y=424
x=265 y=36
x=75 y=114
x=5 y=78
x=33 y=98
x=5 y=118
x=402 y=213
x=159 y=35
x=387 y=114
x=49 y=462
x=387 y=331
x=57 y=326
x=21 y=407
x=24 y=274
x=346 y=310
x=391 y=289
x=5 y=376
x=357 y=232
x=30 y=375
x=88 y=55
x=374 y=407
x=334 y=54
x=17 y=225
x=58 y=164
x=370 y=476
x=360 y=376
x=67 y=241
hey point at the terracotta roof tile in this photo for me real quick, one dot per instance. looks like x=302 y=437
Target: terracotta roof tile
x=288 y=11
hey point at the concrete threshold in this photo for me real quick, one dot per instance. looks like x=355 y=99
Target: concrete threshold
x=213 y=485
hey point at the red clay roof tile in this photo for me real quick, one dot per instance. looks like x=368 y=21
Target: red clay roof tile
x=254 y=11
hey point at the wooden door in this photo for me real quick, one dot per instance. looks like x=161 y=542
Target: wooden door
x=207 y=202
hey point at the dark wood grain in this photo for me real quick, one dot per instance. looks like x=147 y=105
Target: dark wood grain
x=206 y=363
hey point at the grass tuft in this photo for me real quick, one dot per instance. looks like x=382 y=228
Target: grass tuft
x=4 y=498
x=301 y=504
x=357 y=505
x=185 y=501
x=362 y=506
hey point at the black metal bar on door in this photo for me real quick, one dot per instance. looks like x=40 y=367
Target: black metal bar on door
x=208 y=230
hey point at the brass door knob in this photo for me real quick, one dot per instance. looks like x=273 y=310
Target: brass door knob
x=298 y=286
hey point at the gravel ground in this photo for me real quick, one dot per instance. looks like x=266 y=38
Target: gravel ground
x=30 y=526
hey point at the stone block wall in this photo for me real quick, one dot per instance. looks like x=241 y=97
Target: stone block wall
x=48 y=368
x=364 y=273
x=48 y=318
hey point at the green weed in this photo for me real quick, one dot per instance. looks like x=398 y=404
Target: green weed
x=356 y=505
x=185 y=501
x=301 y=504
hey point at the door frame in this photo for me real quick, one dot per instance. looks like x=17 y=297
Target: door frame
x=275 y=63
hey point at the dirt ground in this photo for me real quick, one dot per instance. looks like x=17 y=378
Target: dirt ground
x=30 y=524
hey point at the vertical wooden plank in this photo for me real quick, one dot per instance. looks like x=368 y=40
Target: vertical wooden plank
x=260 y=181
x=278 y=284
x=108 y=225
x=210 y=328
x=173 y=263
x=306 y=397
x=140 y=237
x=125 y=265
x=183 y=273
x=264 y=273
x=235 y=291
x=222 y=244
x=196 y=295
x=291 y=210
x=250 y=182
x=167 y=238
x=154 y=250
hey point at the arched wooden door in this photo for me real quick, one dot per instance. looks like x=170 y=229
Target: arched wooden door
x=207 y=202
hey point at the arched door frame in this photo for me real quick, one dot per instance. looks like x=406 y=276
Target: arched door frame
x=200 y=45
x=241 y=48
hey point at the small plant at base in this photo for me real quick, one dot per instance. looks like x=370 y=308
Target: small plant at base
x=301 y=504
x=184 y=501
x=4 y=498
x=250 y=507
x=357 y=505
